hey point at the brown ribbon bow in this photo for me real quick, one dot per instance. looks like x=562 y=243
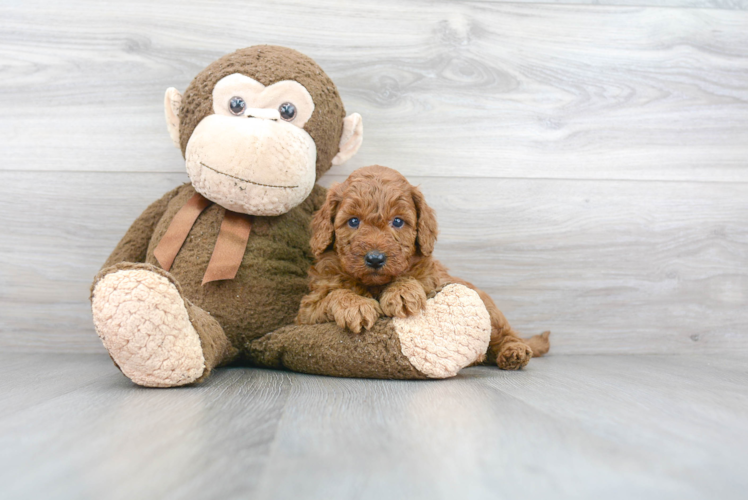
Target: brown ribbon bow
x=230 y=246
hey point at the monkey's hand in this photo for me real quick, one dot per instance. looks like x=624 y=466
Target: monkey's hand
x=403 y=297
x=353 y=311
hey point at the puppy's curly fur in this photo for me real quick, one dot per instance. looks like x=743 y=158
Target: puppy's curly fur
x=358 y=218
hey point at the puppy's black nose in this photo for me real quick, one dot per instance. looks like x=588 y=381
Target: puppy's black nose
x=375 y=259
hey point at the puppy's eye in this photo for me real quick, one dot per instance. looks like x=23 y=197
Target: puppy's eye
x=397 y=222
x=287 y=111
x=237 y=105
x=353 y=222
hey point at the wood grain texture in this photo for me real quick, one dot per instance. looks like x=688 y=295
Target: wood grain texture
x=646 y=267
x=164 y=443
x=665 y=427
x=445 y=88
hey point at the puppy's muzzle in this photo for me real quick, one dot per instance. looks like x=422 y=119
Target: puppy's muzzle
x=375 y=260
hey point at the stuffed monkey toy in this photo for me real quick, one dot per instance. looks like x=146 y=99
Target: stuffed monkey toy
x=213 y=273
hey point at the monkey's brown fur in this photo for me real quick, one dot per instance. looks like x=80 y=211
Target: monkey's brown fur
x=345 y=290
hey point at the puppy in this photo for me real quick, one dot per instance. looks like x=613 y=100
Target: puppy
x=372 y=241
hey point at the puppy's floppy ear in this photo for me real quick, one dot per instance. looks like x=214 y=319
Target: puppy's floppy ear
x=323 y=222
x=426 y=226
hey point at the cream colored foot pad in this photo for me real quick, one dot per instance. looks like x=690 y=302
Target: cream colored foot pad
x=143 y=322
x=450 y=334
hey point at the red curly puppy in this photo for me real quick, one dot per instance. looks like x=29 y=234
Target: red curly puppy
x=373 y=240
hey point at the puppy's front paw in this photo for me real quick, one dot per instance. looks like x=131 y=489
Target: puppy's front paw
x=403 y=298
x=514 y=356
x=355 y=312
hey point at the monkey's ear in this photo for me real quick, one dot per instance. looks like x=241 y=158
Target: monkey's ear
x=172 y=103
x=323 y=222
x=426 y=226
x=350 y=139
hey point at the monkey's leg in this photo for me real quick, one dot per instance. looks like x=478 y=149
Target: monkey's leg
x=451 y=333
x=153 y=334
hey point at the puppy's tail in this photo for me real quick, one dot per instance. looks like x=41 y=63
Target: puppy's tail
x=539 y=344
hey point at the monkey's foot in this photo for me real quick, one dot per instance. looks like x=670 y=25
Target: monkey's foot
x=143 y=322
x=451 y=333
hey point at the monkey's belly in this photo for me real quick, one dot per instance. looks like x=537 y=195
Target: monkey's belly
x=264 y=295
x=272 y=279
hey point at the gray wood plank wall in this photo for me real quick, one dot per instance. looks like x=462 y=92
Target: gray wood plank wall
x=588 y=163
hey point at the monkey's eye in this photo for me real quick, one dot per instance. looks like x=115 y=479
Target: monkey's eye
x=237 y=105
x=287 y=111
x=397 y=222
x=353 y=222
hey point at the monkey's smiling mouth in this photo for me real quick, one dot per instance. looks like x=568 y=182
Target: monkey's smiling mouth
x=246 y=180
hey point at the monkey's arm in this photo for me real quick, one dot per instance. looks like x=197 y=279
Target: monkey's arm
x=134 y=244
x=446 y=337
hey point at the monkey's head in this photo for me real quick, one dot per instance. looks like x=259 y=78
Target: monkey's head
x=258 y=127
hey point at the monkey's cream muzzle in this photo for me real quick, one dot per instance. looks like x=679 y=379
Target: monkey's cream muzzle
x=256 y=165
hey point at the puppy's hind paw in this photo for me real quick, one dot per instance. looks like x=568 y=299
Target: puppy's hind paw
x=514 y=356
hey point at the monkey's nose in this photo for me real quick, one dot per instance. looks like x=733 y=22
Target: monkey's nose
x=375 y=259
x=266 y=114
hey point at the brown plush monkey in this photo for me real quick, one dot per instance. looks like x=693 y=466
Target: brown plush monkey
x=214 y=271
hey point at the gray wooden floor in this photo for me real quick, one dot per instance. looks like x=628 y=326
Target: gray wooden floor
x=615 y=426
